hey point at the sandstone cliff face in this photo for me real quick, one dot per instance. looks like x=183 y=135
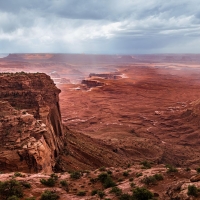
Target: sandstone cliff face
x=31 y=132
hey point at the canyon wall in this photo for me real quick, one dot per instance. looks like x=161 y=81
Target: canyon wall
x=92 y=83
x=31 y=132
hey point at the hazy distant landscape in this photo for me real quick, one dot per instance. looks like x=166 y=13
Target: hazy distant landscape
x=116 y=111
x=135 y=103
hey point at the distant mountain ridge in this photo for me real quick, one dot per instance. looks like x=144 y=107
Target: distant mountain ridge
x=94 y=58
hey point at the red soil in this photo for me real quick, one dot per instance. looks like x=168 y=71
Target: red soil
x=143 y=114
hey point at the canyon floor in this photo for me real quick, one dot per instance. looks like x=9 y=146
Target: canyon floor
x=143 y=108
x=150 y=114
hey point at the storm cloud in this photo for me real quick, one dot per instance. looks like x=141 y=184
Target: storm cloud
x=106 y=26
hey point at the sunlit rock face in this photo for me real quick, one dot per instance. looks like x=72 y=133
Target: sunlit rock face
x=31 y=132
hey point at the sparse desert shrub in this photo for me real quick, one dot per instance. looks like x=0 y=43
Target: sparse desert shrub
x=49 y=195
x=17 y=174
x=76 y=175
x=132 y=184
x=10 y=188
x=131 y=179
x=152 y=180
x=109 y=172
x=13 y=198
x=158 y=177
x=129 y=165
x=198 y=170
x=138 y=174
x=50 y=182
x=94 y=192
x=149 y=180
x=98 y=192
x=192 y=190
x=171 y=169
x=125 y=197
x=54 y=176
x=101 y=194
x=81 y=193
x=101 y=169
x=187 y=169
x=117 y=191
x=125 y=173
x=109 y=182
x=93 y=180
x=142 y=194
x=102 y=177
x=26 y=184
x=146 y=164
x=106 y=180
x=64 y=183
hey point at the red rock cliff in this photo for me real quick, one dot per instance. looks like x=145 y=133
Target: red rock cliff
x=31 y=132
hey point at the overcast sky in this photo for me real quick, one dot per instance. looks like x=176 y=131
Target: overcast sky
x=100 y=26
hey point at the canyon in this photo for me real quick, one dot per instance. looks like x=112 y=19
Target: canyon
x=101 y=110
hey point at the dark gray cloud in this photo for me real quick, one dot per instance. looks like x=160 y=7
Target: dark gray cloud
x=106 y=26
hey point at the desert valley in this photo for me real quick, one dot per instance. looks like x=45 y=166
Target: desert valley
x=100 y=126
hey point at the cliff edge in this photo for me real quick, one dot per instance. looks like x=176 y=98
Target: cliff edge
x=31 y=132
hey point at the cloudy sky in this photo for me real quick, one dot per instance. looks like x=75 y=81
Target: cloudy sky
x=100 y=26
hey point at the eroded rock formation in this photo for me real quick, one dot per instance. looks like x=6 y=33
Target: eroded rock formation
x=92 y=83
x=106 y=75
x=31 y=132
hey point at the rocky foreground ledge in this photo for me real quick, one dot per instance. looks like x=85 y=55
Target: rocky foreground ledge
x=136 y=182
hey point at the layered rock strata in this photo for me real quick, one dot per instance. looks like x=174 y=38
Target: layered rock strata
x=31 y=132
x=92 y=83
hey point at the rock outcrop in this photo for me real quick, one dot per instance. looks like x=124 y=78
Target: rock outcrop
x=92 y=83
x=106 y=76
x=31 y=132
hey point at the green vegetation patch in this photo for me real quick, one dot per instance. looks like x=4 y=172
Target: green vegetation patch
x=76 y=175
x=49 y=195
x=152 y=180
x=171 y=169
x=142 y=194
x=10 y=189
x=146 y=164
x=106 y=180
x=192 y=190
x=117 y=191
